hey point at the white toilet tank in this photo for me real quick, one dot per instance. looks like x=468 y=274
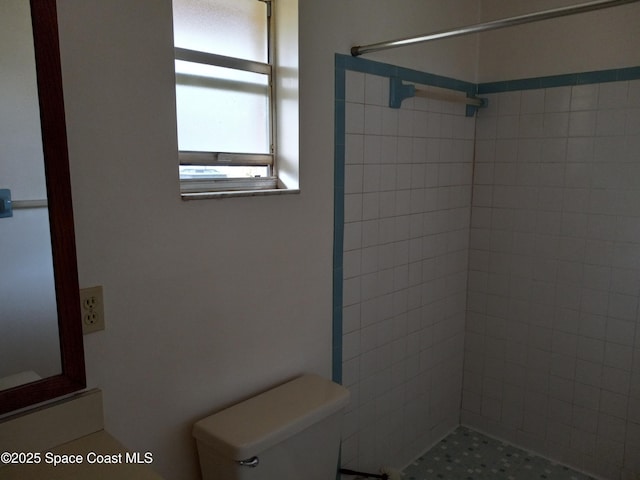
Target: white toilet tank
x=289 y=432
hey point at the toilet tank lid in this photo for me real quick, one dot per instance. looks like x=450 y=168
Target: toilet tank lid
x=250 y=427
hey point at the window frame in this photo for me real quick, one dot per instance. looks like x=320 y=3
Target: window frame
x=191 y=186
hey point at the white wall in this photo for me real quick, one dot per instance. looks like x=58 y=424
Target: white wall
x=196 y=316
x=598 y=40
x=209 y=301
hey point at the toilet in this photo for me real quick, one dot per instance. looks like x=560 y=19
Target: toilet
x=289 y=432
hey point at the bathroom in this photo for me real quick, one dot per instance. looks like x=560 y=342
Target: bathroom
x=208 y=302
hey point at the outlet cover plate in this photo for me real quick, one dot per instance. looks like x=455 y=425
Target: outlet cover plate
x=92 y=309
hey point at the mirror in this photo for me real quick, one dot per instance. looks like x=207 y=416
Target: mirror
x=43 y=319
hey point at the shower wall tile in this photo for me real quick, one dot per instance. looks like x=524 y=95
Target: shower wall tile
x=404 y=265
x=552 y=349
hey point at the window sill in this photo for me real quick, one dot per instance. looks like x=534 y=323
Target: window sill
x=239 y=193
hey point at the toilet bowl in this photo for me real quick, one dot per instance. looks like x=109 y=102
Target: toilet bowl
x=289 y=432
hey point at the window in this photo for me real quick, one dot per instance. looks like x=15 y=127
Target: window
x=226 y=91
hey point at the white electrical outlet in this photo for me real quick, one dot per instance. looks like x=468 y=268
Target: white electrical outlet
x=92 y=309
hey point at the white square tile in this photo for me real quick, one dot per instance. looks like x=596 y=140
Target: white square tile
x=354 y=83
x=370 y=286
x=618 y=356
x=371 y=312
x=354 y=118
x=390 y=121
x=611 y=427
x=387 y=177
x=557 y=99
x=587 y=396
x=419 y=124
x=387 y=203
x=434 y=125
x=584 y=419
x=352 y=208
x=370 y=260
x=507 y=126
x=350 y=345
x=623 y=307
x=485 y=150
x=352 y=236
x=590 y=349
x=594 y=302
x=592 y=326
x=351 y=264
x=532 y=101
x=625 y=281
x=531 y=125
x=580 y=149
x=582 y=123
x=350 y=372
x=371 y=178
x=405 y=122
x=370 y=232
x=597 y=277
x=374 y=88
x=633 y=122
x=509 y=103
x=620 y=331
x=613 y=404
x=584 y=97
x=403 y=202
x=556 y=124
x=417 y=176
x=609 y=149
x=354 y=149
x=561 y=389
x=351 y=291
x=388 y=149
x=351 y=318
x=370 y=206
x=372 y=149
x=611 y=122
x=563 y=366
x=613 y=95
x=588 y=373
x=353 y=179
x=616 y=380
x=634 y=93
x=372 y=120
x=554 y=150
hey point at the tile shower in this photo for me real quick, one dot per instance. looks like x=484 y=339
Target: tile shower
x=490 y=273
x=552 y=347
x=407 y=203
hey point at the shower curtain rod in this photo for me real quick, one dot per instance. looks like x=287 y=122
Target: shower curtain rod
x=20 y=204
x=492 y=25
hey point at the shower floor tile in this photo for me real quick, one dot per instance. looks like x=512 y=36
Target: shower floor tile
x=468 y=455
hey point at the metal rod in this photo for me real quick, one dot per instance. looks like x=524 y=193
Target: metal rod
x=448 y=97
x=20 y=204
x=492 y=25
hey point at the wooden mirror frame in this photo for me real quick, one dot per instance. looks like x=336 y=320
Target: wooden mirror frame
x=56 y=162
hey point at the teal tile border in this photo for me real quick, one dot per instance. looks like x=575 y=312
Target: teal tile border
x=338 y=221
x=357 y=64
x=572 y=79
